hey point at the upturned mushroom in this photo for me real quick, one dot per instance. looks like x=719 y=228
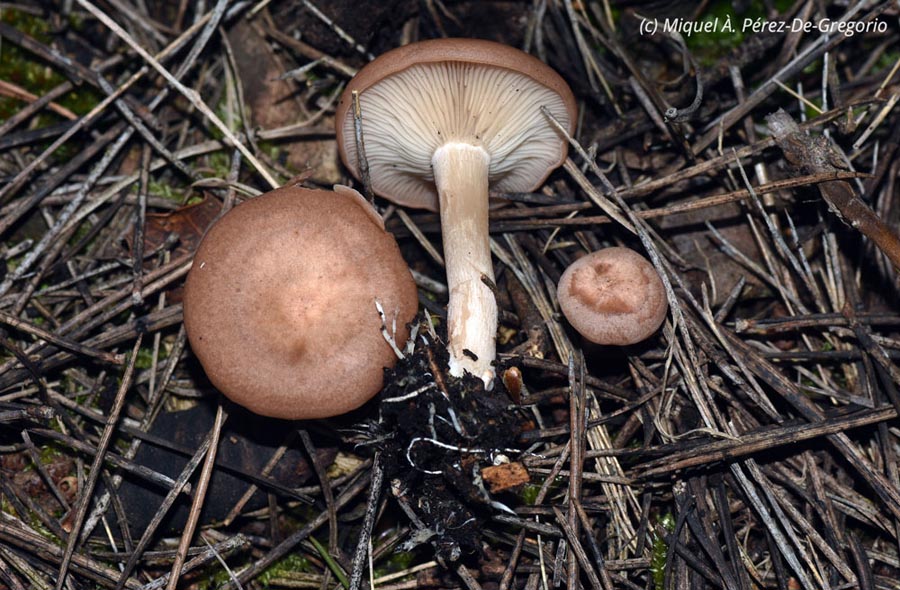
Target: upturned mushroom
x=443 y=121
x=613 y=296
x=279 y=305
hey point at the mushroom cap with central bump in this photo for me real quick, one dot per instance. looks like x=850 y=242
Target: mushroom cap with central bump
x=279 y=305
x=613 y=296
x=419 y=97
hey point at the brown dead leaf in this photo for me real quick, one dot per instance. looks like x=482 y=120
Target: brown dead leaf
x=186 y=225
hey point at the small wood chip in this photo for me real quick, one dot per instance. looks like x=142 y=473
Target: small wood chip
x=501 y=478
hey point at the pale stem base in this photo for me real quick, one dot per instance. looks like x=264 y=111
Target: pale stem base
x=461 y=176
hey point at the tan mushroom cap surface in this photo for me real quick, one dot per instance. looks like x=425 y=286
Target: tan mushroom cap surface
x=279 y=304
x=613 y=296
x=418 y=97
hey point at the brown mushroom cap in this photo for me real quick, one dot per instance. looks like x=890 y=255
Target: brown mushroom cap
x=613 y=296
x=279 y=305
x=418 y=97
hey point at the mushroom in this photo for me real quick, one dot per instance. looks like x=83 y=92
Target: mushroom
x=613 y=296
x=279 y=305
x=442 y=121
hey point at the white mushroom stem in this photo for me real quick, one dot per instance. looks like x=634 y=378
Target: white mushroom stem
x=461 y=177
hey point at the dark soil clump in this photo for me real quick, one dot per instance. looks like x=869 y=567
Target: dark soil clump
x=439 y=432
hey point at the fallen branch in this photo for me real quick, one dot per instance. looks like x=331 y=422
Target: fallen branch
x=816 y=155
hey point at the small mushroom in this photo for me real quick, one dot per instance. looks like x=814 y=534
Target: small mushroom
x=613 y=296
x=442 y=121
x=279 y=305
